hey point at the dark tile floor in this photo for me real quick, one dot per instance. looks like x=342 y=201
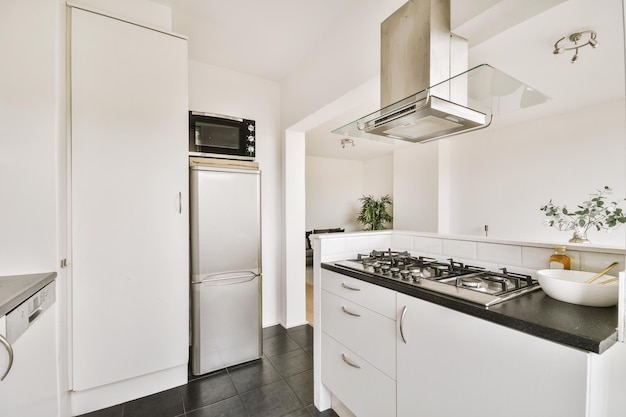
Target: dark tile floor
x=278 y=384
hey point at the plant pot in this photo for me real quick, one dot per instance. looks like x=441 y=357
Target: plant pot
x=580 y=236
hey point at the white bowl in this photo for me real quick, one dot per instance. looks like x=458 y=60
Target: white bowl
x=569 y=286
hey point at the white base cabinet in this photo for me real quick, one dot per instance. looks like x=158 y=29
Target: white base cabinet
x=453 y=364
x=358 y=347
x=388 y=354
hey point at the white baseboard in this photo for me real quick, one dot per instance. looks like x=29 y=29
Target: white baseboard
x=127 y=390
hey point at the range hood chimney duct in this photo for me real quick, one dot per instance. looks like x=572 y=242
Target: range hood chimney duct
x=417 y=49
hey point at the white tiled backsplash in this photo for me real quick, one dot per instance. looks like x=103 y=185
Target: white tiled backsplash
x=489 y=253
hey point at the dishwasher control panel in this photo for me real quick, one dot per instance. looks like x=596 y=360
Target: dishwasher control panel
x=19 y=319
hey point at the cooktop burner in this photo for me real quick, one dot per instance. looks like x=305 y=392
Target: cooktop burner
x=455 y=279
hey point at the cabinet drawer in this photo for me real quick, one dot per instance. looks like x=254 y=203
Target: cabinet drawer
x=365 y=391
x=378 y=299
x=371 y=335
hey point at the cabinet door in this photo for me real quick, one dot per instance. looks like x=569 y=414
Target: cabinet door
x=453 y=365
x=129 y=215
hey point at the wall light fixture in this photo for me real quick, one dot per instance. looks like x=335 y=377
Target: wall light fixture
x=577 y=40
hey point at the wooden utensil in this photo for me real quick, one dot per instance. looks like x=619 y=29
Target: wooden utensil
x=599 y=274
x=608 y=280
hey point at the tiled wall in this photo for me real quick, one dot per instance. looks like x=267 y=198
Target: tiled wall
x=492 y=254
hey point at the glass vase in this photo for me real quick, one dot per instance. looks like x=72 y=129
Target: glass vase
x=580 y=236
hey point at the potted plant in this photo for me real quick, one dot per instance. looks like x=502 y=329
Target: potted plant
x=373 y=214
x=595 y=212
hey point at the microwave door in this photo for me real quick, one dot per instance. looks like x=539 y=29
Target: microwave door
x=221 y=137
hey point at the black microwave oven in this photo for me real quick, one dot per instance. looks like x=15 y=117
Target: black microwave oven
x=219 y=136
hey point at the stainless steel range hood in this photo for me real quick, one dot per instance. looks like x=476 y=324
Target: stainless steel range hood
x=421 y=97
x=426 y=119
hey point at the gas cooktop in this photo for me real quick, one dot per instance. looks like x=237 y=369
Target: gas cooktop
x=469 y=283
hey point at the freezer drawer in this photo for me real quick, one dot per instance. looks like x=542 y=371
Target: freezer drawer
x=226 y=322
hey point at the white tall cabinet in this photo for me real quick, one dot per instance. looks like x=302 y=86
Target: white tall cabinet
x=129 y=211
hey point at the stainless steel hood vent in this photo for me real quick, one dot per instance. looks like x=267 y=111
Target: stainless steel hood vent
x=426 y=119
x=418 y=54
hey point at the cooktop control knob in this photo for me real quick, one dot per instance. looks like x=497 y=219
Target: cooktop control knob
x=385 y=269
x=416 y=274
x=405 y=274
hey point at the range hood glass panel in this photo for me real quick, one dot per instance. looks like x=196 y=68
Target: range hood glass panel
x=470 y=99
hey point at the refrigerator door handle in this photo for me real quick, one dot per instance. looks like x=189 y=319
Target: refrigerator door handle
x=227 y=279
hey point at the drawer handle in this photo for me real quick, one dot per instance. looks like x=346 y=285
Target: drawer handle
x=347 y=287
x=349 y=362
x=345 y=310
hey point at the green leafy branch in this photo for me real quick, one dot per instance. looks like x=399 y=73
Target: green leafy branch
x=595 y=212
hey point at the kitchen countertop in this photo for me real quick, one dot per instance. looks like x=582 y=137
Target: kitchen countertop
x=593 y=329
x=15 y=289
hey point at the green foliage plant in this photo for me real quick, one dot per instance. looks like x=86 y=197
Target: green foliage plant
x=373 y=214
x=596 y=213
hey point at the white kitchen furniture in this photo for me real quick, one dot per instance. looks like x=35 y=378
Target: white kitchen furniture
x=447 y=363
x=358 y=344
x=129 y=211
x=30 y=386
x=453 y=364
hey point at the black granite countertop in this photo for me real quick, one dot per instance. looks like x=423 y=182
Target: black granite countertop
x=593 y=329
x=15 y=289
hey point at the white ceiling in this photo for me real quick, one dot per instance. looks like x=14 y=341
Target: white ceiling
x=277 y=38
x=267 y=38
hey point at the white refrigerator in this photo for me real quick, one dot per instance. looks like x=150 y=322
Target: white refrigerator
x=226 y=281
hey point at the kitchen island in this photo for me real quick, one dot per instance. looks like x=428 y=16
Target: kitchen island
x=592 y=329
x=384 y=347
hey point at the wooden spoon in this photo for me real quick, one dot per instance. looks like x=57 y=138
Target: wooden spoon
x=599 y=274
x=608 y=280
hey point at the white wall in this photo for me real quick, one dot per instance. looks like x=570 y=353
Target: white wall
x=144 y=12
x=378 y=176
x=347 y=56
x=28 y=150
x=416 y=187
x=218 y=90
x=501 y=177
x=334 y=186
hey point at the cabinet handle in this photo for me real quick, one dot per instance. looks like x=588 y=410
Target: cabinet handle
x=9 y=349
x=180 y=202
x=349 y=362
x=402 y=315
x=347 y=287
x=345 y=310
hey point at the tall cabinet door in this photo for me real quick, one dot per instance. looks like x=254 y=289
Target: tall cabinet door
x=129 y=193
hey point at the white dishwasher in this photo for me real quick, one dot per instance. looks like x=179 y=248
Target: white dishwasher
x=28 y=363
